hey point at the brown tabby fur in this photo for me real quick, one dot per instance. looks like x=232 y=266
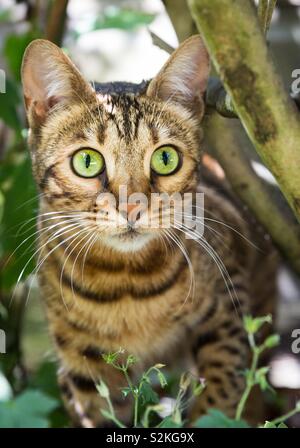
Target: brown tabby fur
x=136 y=297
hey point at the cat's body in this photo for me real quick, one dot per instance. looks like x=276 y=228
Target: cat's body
x=105 y=290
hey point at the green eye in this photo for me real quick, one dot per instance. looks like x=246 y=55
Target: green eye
x=165 y=160
x=87 y=163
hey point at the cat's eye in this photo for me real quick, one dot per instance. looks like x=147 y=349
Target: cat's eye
x=88 y=163
x=165 y=160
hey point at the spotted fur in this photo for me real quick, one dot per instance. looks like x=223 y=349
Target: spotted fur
x=132 y=291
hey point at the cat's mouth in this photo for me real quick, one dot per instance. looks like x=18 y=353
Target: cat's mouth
x=129 y=234
x=130 y=240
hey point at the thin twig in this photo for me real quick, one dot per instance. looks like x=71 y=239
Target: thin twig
x=56 y=23
x=272 y=4
x=262 y=12
x=160 y=43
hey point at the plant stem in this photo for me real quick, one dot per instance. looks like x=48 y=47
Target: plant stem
x=160 y=43
x=136 y=404
x=135 y=395
x=286 y=416
x=250 y=378
x=272 y=4
x=113 y=415
x=55 y=26
x=180 y=16
x=264 y=200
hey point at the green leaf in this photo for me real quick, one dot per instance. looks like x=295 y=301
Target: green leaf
x=5 y=15
x=252 y=325
x=1 y=205
x=20 y=206
x=282 y=425
x=216 y=419
x=126 y=391
x=111 y=358
x=273 y=426
x=45 y=379
x=29 y=410
x=36 y=402
x=269 y=425
x=272 y=341
x=147 y=394
x=124 y=19
x=162 y=379
x=261 y=379
x=168 y=422
x=102 y=389
x=131 y=360
x=14 y=47
x=107 y=414
x=198 y=387
x=9 y=102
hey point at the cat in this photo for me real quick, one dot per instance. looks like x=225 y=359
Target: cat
x=157 y=294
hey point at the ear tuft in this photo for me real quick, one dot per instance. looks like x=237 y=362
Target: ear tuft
x=49 y=78
x=183 y=78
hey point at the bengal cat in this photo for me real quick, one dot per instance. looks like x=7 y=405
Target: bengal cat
x=157 y=294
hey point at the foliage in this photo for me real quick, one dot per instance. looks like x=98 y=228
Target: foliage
x=17 y=244
x=29 y=410
x=143 y=392
x=216 y=419
x=124 y=19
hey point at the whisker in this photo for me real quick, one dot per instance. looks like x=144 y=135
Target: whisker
x=228 y=226
x=46 y=214
x=86 y=234
x=86 y=253
x=36 y=270
x=42 y=221
x=35 y=198
x=57 y=233
x=191 y=269
x=221 y=267
x=39 y=231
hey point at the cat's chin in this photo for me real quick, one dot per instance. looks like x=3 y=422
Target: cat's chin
x=129 y=241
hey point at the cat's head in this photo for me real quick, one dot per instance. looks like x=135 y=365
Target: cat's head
x=87 y=144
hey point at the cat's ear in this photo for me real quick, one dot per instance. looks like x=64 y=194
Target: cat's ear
x=50 y=79
x=183 y=78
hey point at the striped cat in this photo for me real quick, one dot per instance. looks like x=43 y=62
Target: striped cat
x=161 y=296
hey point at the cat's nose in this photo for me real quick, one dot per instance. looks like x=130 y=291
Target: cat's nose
x=131 y=212
x=131 y=208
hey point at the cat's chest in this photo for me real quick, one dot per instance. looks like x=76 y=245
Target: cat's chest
x=134 y=324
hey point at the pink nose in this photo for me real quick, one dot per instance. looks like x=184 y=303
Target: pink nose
x=130 y=207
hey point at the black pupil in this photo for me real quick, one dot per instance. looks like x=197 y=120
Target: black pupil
x=165 y=157
x=87 y=160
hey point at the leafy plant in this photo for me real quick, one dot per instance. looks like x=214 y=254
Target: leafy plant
x=17 y=244
x=143 y=392
x=255 y=375
x=144 y=396
x=30 y=409
x=119 y=18
x=216 y=419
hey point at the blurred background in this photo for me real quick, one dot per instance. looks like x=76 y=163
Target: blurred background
x=108 y=40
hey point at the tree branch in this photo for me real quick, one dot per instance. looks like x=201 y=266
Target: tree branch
x=181 y=18
x=56 y=22
x=160 y=43
x=240 y=55
x=265 y=12
x=264 y=200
